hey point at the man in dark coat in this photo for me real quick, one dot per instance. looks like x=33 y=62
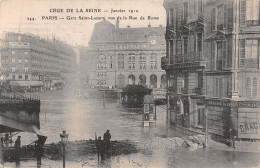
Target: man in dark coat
x=107 y=137
x=100 y=148
x=17 y=146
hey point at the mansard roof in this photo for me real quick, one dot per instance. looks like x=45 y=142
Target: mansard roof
x=106 y=32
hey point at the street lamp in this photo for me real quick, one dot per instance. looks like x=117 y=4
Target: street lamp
x=64 y=140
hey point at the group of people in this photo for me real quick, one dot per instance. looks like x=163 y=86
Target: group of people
x=103 y=146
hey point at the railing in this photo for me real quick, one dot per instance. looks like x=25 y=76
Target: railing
x=249 y=63
x=6 y=93
x=172 y=89
x=184 y=90
x=198 y=91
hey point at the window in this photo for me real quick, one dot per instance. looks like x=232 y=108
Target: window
x=220 y=17
x=13 y=52
x=142 y=61
x=26 y=60
x=26 y=77
x=219 y=56
x=131 y=61
x=13 y=60
x=20 y=77
x=185 y=43
x=252 y=12
x=26 y=52
x=26 y=69
x=20 y=60
x=185 y=10
x=13 y=77
x=251 y=49
x=251 y=87
x=120 y=61
x=13 y=69
x=213 y=19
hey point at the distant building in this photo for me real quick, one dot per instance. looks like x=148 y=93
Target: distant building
x=30 y=61
x=213 y=65
x=122 y=56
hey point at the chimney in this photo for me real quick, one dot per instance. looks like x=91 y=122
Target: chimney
x=117 y=24
x=128 y=26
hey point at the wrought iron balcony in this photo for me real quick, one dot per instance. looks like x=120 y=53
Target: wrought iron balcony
x=184 y=90
x=198 y=91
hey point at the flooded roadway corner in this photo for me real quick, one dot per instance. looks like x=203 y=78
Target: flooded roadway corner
x=155 y=146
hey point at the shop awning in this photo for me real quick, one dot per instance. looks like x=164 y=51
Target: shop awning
x=7 y=124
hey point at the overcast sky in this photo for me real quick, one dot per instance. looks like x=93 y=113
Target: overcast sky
x=14 y=14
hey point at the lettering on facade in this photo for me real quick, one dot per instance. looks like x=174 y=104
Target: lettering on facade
x=245 y=127
x=241 y=104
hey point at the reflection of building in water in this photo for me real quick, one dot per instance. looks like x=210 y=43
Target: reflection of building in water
x=121 y=56
x=28 y=60
x=213 y=64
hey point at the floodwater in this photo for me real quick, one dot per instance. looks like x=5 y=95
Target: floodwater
x=82 y=118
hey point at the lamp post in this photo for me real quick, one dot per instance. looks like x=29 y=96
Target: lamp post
x=64 y=140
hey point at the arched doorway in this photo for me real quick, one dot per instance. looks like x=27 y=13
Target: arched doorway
x=121 y=81
x=153 y=80
x=131 y=79
x=142 y=79
x=164 y=80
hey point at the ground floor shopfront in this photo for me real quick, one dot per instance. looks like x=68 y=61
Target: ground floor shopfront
x=222 y=117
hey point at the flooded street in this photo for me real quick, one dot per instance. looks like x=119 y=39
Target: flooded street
x=83 y=117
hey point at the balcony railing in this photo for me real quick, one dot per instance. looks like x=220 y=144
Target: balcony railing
x=198 y=91
x=249 y=63
x=172 y=89
x=184 y=90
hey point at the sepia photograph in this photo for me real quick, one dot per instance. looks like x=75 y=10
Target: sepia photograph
x=129 y=83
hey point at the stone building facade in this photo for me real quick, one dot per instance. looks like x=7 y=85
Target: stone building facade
x=28 y=60
x=122 y=56
x=213 y=65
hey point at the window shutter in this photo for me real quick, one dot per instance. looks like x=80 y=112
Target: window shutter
x=242 y=21
x=220 y=80
x=225 y=16
x=224 y=48
x=217 y=87
x=241 y=52
x=212 y=56
x=254 y=88
x=229 y=52
x=213 y=19
x=248 y=87
x=230 y=16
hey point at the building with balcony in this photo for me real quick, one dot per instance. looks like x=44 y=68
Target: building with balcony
x=30 y=61
x=122 y=56
x=212 y=62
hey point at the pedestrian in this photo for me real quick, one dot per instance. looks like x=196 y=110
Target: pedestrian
x=107 y=137
x=17 y=146
x=232 y=134
x=100 y=148
x=38 y=152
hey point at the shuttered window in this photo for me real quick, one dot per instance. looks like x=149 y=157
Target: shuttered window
x=220 y=88
x=254 y=88
x=251 y=49
x=224 y=64
x=220 y=17
x=242 y=20
x=241 y=52
x=252 y=10
x=251 y=87
x=213 y=19
x=225 y=16
x=213 y=56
